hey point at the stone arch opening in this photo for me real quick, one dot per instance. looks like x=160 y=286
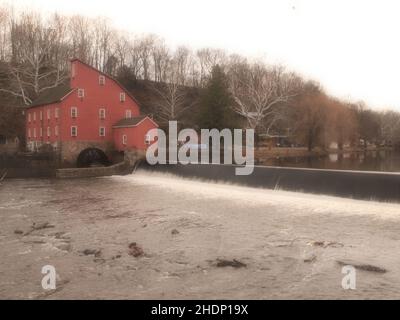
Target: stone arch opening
x=92 y=157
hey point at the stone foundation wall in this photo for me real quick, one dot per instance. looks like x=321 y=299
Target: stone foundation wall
x=10 y=146
x=116 y=169
x=70 y=150
x=28 y=165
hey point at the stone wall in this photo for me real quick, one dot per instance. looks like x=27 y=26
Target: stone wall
x=70 y=150
x=9 y=146
x=116 y=169
x=28 y=165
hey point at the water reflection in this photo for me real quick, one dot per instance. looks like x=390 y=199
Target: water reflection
x=365 y=161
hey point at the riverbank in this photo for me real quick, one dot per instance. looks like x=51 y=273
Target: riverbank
x=187 y=235
x=263 y=153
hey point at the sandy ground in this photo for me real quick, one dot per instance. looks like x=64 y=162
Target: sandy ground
x=289 y=243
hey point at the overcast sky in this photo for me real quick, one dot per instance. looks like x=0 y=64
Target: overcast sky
x=352 y=47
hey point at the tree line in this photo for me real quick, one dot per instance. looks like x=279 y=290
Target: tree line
x=205 y=88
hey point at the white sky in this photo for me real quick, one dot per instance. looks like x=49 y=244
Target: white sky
x=351 y=46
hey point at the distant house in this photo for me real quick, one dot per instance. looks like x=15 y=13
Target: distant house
x=91 y=114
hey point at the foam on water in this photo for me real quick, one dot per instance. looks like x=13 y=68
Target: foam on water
x=258 y=196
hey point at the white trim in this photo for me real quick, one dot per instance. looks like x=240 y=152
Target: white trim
x=104 y=133
x=48 y=132
x=67 y=94
x=109 y=78
x=122 y=97
x=124 y=139
x=134 y=125
x=102 y=80
x=102 y=110
x=76 y=131
x=147 y=139
x=126 y=114
x=76 y=112
x=81 y=93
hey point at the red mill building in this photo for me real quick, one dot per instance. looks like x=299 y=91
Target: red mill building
x=92 y=115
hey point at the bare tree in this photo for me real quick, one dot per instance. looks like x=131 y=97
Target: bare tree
x=103 y=52
x=172 y=102
x=134 y=60
x=144 y=50
x=80 y=34
x=259 y=92
x=208 y=59
x=181 y=60
x=32 y=69
x=161 y=60
x=122 y=49
x=4 y=33
x=390 y=127
x=311 y=117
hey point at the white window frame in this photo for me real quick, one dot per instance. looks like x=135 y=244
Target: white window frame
x=100 y=131
x=74 y=112
x=122 y=97
x=56 y=113
x=76 y=131
x=128 y=114
x=56 y=131
x=48 y=132
x=29 y=133
x=34 y=132
x=102 y=80
x=81 y=93
x=29 y=117
x=147 y=139
x=102 y=113
x=34 y=116
x=48 y=114
x=41 y=115
x=41 y=132
x=124 y=139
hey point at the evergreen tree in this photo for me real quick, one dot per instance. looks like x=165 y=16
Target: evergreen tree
x=215 y=103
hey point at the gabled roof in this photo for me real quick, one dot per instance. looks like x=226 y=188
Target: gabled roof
x=131 y=122
x=109 y=77
x=52 y=95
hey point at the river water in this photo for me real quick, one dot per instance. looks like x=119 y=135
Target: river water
x=365 y=161
x=292 y=245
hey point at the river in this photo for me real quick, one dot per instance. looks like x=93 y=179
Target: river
x=290 y=245
x=384 y=160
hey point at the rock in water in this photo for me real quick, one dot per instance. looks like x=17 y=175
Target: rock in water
x=230 y=263
x=135 y=250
